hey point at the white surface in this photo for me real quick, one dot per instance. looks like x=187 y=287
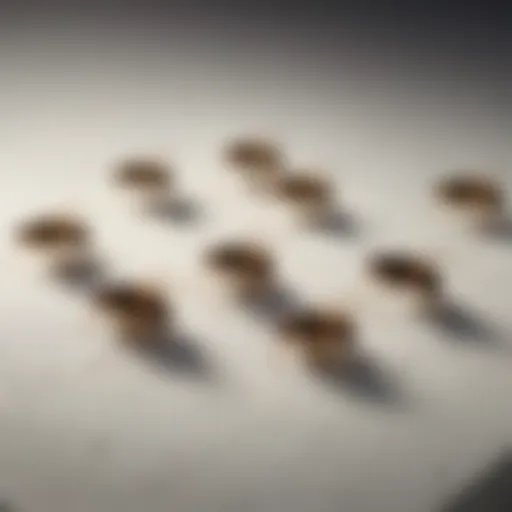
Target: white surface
x=84 y=428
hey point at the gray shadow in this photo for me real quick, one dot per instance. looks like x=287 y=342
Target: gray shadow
x=492 y=492
x=180 y=355
x=342 y=225
x=182 y=211
x=365 y=380
x=276 y=303
x=459 y=323
x=84 y=277
x=500 y=231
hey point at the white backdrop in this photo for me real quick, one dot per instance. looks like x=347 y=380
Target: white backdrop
x=83 y=427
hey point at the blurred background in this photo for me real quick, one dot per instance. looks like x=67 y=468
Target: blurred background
x=385 y=96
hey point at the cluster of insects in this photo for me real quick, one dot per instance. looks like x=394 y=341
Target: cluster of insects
x=323 y=338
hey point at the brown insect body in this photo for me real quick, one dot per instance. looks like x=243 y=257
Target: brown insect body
x=324 y=339
x=478 y=199
x=471 y=191
x=139 y=314
x=310 y=196
x=143 y=173
x=63 y=239
x=260 y=162
x=253 y=153
x=50 y=232
x=247 y=269
x=149 y=180
x=416 y=279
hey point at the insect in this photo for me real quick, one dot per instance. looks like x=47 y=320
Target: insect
x=406 y=278
x=247 y=269
x=149 y=180
x=138 y=313
x=310 y=196
x=64 y=241
x=259 y=161
x=476 y=199
x=321 y=338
